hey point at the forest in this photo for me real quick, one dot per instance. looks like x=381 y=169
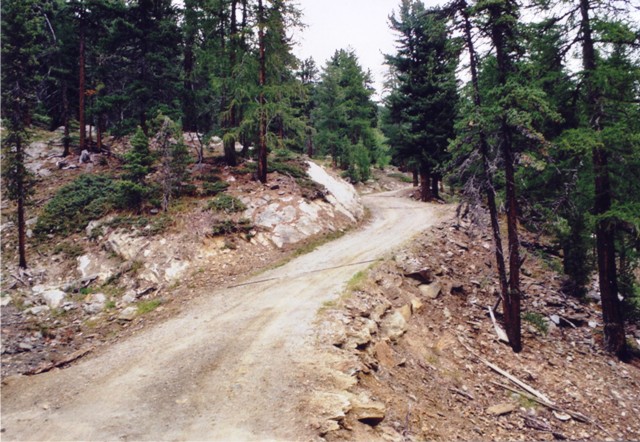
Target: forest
x=528 y=111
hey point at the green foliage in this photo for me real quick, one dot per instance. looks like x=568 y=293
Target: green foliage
x=401 y=176
x=228 y=226
x=287 y=168
x=87 y=198
x=212 y=189
x=345 y=116
x=71 y=250
x=129 y=195
x=226 y=203
x=138 y=159
x=145 y=307
x=537 y=320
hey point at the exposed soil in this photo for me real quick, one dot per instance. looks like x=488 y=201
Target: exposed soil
x=431 y=381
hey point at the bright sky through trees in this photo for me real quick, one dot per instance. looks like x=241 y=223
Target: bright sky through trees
x=340 y=24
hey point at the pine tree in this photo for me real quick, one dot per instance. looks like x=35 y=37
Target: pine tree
x=22 y=41
x=422 y=106
x=345 y=115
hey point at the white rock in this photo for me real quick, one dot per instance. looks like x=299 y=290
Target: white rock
x=394 y=326
x=53 y=298
x=344 y=193
x=38 y=310
x=128 y=314
x=5 y=301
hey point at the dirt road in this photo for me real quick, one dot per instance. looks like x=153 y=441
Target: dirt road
x=233 y=367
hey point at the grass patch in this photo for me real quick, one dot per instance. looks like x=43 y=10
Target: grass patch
x=71 y=250
x=537 y=320
x=148 y=306
x=287 y=168
x=356 y=281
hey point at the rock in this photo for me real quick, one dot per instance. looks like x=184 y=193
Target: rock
x=85 y=157
x=555 y=319
x=53 y=298
x=38 y=310
x=394 y=326
x=405 y=311
x=128 y=314
x=500 y=409
x=431 y=291
x=330 y=409
x=416 y=305
x=384 y=354
x=380 y=310
x=344 y=195
x=129 y=297
x=593 y=324
x=423 y=275
x=94 y=303
x=25 y=346
x=367 y=411
x=564 y=417
x=447 y=313
x=5 y=301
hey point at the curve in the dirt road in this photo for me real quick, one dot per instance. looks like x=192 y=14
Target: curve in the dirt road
x=230 y=368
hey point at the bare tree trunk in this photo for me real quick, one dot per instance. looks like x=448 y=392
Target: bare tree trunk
x=614 y=337
x=21 y=203
x=484 y=152
x=416 y=176
x=262 y=153
x=81 y=104
x=65 y=109
x=99 y=133
x=435 y=190
x=425 y=183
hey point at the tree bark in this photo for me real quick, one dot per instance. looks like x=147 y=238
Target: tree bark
x=81 y=103
x=435 y=190
x=65 y=109
x=21 y=204
x=425 y=183
x=416 y=177
x=500 y=29
x=262 y=153
x=614 y=337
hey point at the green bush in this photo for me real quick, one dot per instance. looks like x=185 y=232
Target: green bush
x=294 y=170
x=228 y=226
x=87 y=198
x=129 y=195
x=212 y=189
x=226 y=203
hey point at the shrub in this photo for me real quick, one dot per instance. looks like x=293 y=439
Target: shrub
x=226 y=203
x=228 y=226
x=212 y=189
x=294 y=170
x=87 y=198
x=129 y=195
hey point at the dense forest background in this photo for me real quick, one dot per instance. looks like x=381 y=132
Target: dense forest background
x=528 y=110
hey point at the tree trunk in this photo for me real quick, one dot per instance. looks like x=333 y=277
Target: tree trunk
x=262 y=152
x=484 y=152
x=425 y=183
x=614 y=337
x=229 y=144
x=416 y=176
x=81 y=104
x=65 y=110
x=21 y=203
x=309 y=144
x=435 y=190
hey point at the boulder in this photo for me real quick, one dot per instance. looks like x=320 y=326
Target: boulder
x=128 y=314
x=38 y=310
x=53 y=298
x=500 y=409
x=431 y=291
x=367 y=411
x=94 y=303
x=384 y=354
x=394 y=326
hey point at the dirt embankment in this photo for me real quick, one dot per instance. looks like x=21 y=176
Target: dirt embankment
x=427 y=373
